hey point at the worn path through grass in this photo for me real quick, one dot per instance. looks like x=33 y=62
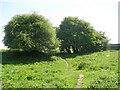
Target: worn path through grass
x=98 y=69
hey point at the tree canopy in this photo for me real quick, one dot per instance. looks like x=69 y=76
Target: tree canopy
x=79 y=36
x=30 y=32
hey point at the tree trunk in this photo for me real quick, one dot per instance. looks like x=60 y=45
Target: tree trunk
x=68 y=50
x=75 y=50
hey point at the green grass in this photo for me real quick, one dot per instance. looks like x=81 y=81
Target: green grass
x=100 y=71
x=36 y=70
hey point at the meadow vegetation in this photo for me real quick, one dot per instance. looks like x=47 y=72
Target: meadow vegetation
x=38 y=70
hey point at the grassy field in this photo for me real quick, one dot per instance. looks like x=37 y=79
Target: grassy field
x=35 y=70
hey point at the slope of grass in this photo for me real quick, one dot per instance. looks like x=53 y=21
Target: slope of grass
x=100 y=69
x=33 y=70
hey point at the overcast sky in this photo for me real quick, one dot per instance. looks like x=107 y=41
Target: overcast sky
x=102 y=14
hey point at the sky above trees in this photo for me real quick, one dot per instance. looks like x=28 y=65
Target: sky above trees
x=102 y=14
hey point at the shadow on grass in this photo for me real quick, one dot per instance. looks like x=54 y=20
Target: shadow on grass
x=26 y=57
x=66 y=55
x=23 y=57
x=71 y=55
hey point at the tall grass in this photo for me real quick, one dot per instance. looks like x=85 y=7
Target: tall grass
x=37 y=70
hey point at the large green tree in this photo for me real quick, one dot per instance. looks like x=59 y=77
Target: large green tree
x=102 y=41
x=79 y=36
x=30 y=32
